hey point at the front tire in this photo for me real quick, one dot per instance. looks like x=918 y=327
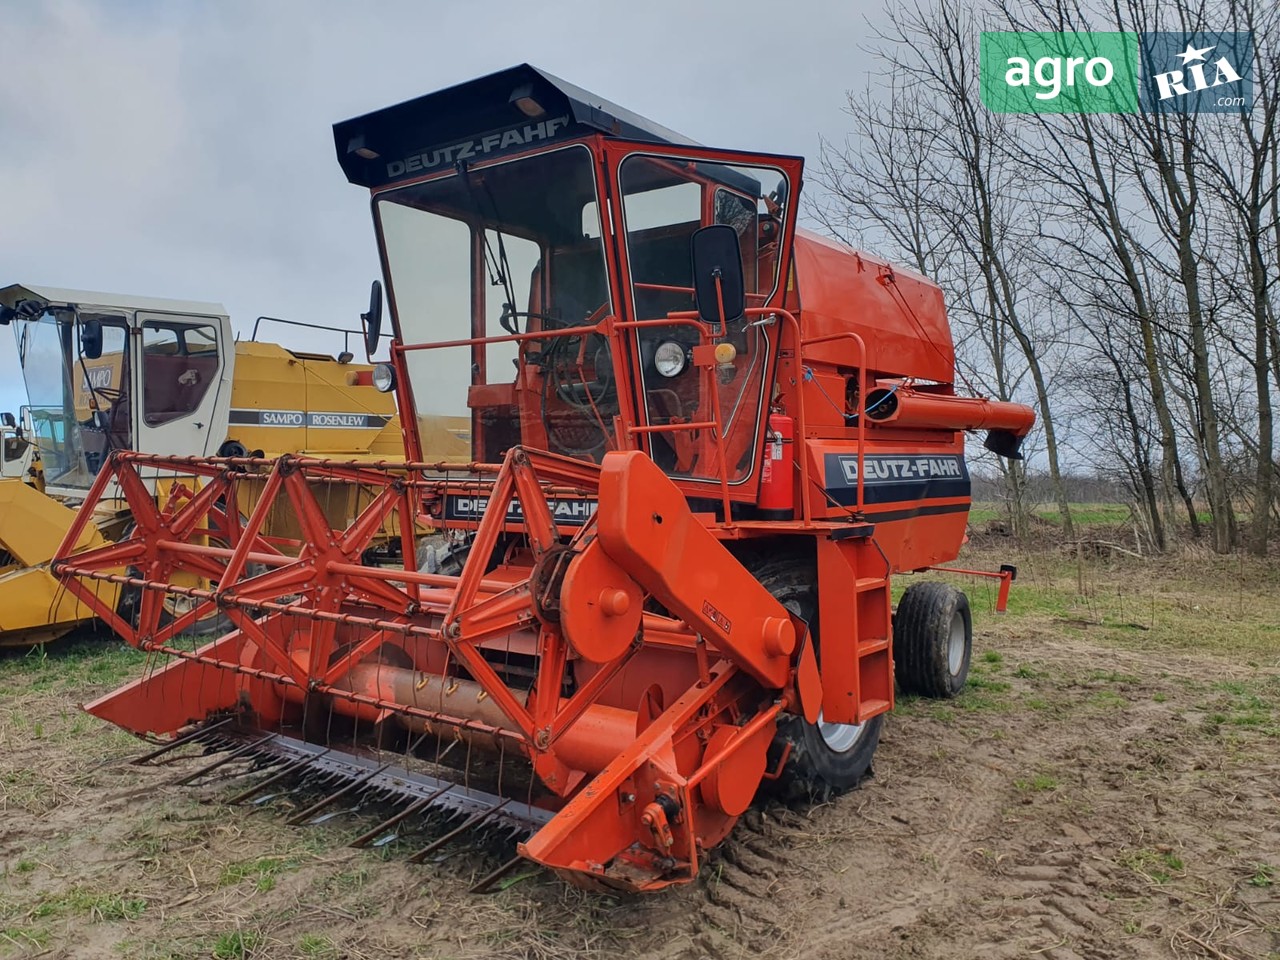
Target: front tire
x=932 y=640
x=825 y=759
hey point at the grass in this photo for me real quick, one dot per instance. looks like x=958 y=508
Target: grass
x=263 y=871
x=348 y=881
x=1082 y=514
x=235 y=945
x=1039 y=783
x=308 y=898
x=80 y=661
x=1190 y=600
x=1252 y=704
x=30 y=926
x=316 y=945
x=98 y=907
x=24 y=937
x=1263 y=875
x=1155 y=866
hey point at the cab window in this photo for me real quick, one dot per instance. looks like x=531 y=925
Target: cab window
x=179 y=364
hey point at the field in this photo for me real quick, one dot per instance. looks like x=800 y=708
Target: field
x=1107 y=787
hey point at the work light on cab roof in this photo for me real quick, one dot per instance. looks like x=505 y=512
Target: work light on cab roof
x=673 y=449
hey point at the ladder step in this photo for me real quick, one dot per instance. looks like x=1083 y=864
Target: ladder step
x=868 y=647
x=871 y=708
x=863 y=584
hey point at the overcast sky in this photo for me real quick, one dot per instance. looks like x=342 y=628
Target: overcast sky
x=184 y=149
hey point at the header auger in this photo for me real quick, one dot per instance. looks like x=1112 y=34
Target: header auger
x=701 y=445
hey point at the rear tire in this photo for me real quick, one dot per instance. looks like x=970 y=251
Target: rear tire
x=932 y=640
x=825 y=759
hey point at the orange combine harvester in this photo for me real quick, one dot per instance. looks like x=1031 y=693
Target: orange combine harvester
x=702 y=442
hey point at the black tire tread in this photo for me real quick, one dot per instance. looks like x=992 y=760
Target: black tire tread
x=921 y=626
x=794 y=579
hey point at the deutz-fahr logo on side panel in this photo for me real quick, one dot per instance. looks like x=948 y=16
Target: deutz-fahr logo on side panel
x=895 y=477
x=568 y=513
x=887 y=469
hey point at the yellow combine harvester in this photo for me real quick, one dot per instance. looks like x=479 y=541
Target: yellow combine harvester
x=106 y=373
x=17 y=452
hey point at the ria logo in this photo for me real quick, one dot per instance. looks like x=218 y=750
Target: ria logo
x=1116 y=72
x=1197 y=72
x=1172 y=84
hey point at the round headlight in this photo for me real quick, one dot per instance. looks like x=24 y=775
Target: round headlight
x=384 y=377
x=670 y=359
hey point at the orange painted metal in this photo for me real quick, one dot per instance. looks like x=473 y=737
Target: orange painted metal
x=1005 y=575
x=645 y=525
x=589 y=745
x=600 y=606
x=624 y=647
x=927 y=411
x=899 y=313
x=377 y=644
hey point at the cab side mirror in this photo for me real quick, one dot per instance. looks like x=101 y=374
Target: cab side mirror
x=373 y=319
x=91 y=339
x=718 y=285
x=8 y=420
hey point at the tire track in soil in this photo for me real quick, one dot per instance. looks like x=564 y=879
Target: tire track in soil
x=749 y=901
x=739 y=896
x=1048 y=899
x=1046 y=906
x=874 y=911
x=735 y=910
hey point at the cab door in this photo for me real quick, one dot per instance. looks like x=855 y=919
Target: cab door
x=182 y=374
x=661 y=195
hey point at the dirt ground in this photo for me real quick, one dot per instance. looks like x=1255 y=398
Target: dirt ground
x=1107 y=787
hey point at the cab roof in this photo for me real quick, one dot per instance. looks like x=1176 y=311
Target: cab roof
x=479 y=119
x=13 y=294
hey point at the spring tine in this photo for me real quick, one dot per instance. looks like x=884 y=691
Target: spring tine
x=468 y=824
x=364 y=838
x=174 y=744
x=227 y=758
x=336 y=795
x=488 y=881
x=280 y=774
x=268 y=797
x=326 y=817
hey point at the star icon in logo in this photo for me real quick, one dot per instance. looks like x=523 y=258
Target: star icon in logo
x=1191 y=53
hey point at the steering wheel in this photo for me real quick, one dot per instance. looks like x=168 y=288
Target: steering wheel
x=586 y=398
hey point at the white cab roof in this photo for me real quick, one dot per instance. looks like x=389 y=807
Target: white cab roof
x=10 y=295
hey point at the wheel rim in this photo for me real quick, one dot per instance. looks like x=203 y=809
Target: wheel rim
x=177 y=606
x=955 y=644
x=839 y=737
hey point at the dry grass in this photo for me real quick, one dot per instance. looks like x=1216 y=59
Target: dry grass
x=1142 y=711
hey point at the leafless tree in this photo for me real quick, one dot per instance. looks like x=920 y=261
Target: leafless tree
x=1122 y=269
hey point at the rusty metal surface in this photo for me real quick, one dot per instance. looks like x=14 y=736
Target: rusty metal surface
x=374 y=778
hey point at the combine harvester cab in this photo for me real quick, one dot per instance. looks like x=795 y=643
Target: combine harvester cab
x=17 y=452
x=701 y=443
x=109 y=374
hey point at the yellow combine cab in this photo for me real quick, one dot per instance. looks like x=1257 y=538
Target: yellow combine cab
x=108 y=373
x=17 y=452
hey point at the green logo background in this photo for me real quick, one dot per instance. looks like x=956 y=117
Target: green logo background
x=1062 y=88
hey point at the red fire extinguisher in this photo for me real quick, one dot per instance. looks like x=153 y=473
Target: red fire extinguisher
x=777 y=478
